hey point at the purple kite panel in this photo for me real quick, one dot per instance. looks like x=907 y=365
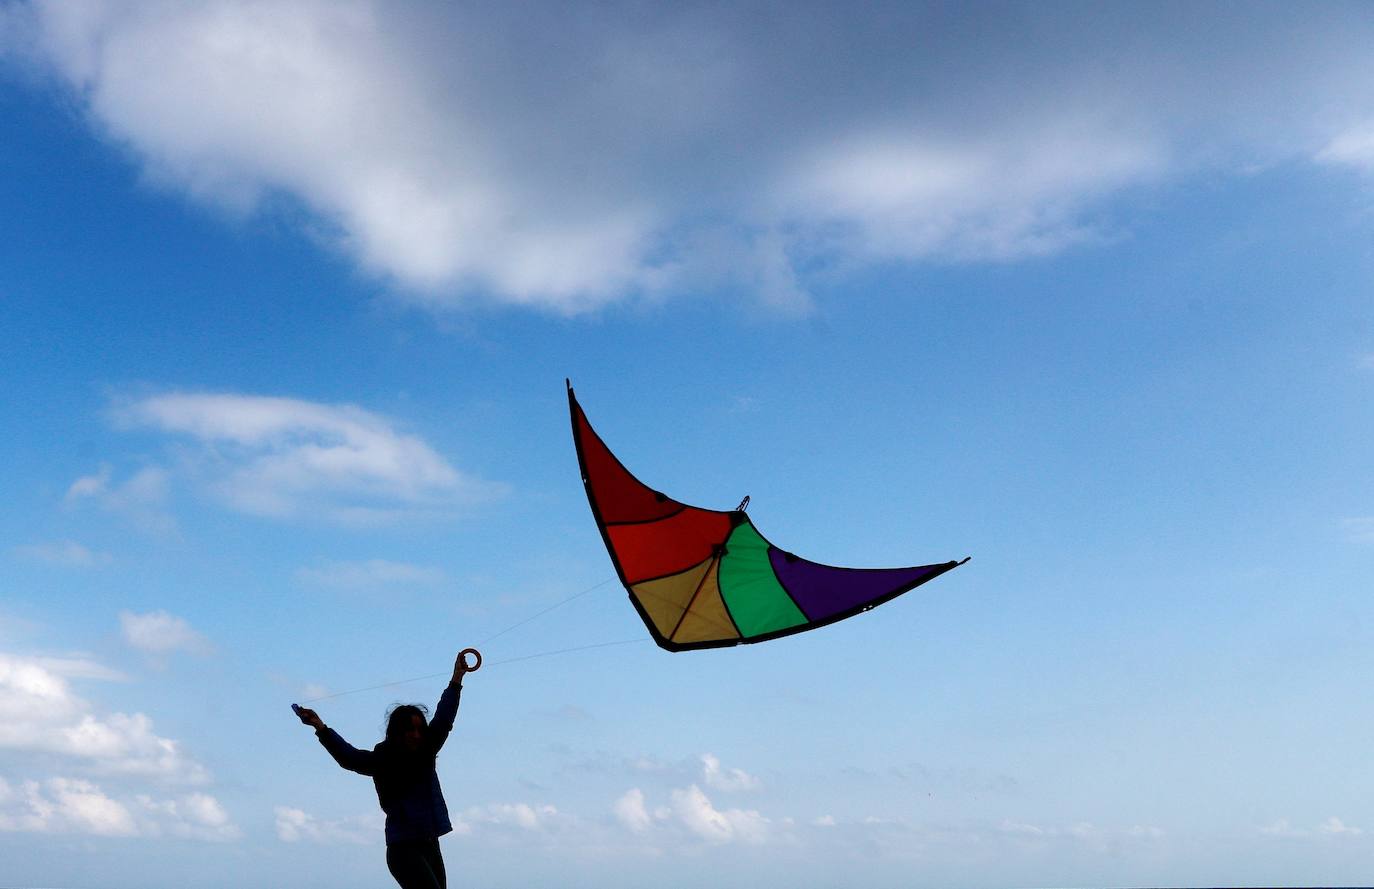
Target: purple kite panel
x=823 y=591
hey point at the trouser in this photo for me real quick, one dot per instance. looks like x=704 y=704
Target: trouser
x=416 y=864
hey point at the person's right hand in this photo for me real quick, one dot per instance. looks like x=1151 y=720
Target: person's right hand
x=460 y=665
x=310 y=717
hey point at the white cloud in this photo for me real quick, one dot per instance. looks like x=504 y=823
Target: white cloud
x=312 y=691
x=726 y=779
x=141 y=498
x=1018 y=195
x=1020 y=828
x=160 y=633
x=296 y=825
x=524 y=816
x=1083 y=833
x=234 y=100
x=62 y=805
x=75 y=667
x=1334 y=826
x=194 y=816
x=1352 y=148
x=630 y=811
x=370 y=573
x=694 y=809
x=287 y=458
x=90 y=485
x=1331 y=827
x=566 y=157
x=71 y=805
x=63 y=552
x=39 y=713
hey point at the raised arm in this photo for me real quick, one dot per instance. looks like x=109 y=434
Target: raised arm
x=344 y=753
x=447 y=709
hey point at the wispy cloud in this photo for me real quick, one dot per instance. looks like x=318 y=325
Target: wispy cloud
x=462 y=149
x=63 y=552
x=1331 y=827
x=90 y=485
x=1082 y=831
x=284 y=458
x=369 y=574
x=939 y=779
x=1353 y=147
x=1017 y=195
x=160 y=633
x=141 y=498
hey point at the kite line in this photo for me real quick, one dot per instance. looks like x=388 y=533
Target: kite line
x=516 y=625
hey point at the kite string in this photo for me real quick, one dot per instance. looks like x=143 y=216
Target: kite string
x=513 y=626
x=525 y=657
x=595 y=586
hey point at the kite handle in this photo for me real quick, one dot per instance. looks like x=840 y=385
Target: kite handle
x=463 y=656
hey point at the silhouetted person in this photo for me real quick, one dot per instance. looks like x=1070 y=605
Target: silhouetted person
x=402 y=769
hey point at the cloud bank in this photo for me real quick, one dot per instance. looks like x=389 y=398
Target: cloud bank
x=570 y=156
x=43 y=723
x=70 y=805
x=41 y=714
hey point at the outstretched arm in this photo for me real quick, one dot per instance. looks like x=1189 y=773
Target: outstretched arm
x=345 y=754
x=447 y=710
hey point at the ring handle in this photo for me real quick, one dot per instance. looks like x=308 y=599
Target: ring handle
x=463 y=656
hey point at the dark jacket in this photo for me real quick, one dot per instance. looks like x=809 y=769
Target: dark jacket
x=407 y=787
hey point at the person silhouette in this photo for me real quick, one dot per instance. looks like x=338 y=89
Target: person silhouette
x=402 y=768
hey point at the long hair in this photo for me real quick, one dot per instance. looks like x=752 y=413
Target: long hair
x=398 y=720
x=399 y=766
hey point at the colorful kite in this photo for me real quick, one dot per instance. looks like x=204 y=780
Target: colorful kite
x=703 y=578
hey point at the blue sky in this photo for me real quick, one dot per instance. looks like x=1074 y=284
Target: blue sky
x=287 y=299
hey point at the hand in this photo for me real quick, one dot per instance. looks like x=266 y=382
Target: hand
x=310 y=717
x=460 y=665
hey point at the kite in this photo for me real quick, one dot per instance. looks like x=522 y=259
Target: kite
x=705 y=578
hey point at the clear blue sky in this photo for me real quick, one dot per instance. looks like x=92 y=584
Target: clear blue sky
x=287 y=297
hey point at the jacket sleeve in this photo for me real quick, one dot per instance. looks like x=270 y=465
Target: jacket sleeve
x=345 y=754
x=444 y=714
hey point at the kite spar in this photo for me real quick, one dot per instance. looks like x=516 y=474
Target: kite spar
x=704 y=578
